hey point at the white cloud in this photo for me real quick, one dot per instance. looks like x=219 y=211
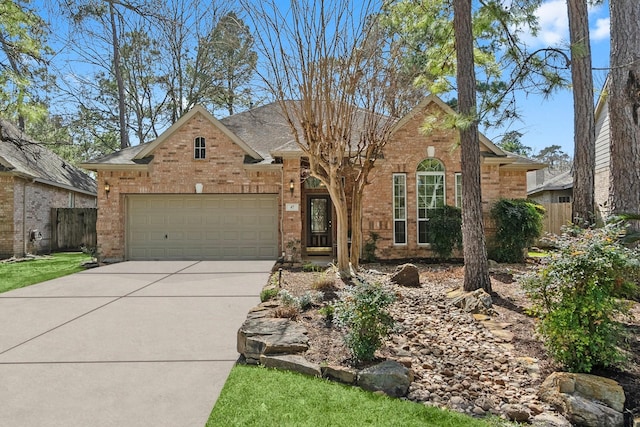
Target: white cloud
x=553 y=21
x=601 y=31
x=554 y=25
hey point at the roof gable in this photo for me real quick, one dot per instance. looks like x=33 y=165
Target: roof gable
x=24 y=157
x=433 y=99
x=198 y=109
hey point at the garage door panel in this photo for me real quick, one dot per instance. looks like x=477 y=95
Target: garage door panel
x=202 y=227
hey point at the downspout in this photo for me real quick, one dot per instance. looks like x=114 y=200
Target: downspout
x=24 y=218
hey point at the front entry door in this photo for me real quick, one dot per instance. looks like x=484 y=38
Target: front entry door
x=319 y=230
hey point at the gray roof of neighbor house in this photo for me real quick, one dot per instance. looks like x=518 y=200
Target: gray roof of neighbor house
x=562 y=181
x=24 y=157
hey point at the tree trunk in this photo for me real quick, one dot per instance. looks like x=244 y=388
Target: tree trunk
x=356 y=228
x=624 y=107
x=476 y=271
x=124 y=135
x=584 y=134
x=336 y=191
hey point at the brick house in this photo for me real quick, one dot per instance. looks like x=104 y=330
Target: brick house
x=32 y=181
x=237 y=188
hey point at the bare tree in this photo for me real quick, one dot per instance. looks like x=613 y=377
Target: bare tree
x=624 y=107
x=318 y=54
x=476 y=270
x=189 y=73
x=584 y=123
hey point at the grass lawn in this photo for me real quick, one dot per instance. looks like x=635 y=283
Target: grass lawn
x=535 y=254
x=256 y=396
x=20 y=274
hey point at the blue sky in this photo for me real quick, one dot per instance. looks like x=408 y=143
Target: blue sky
x=549 y=121
x=544 y=122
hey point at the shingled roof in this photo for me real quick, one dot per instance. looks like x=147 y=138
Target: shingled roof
x=29 y=159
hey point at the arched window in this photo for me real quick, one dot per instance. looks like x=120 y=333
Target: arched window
x=199 y=148
x=430 y=187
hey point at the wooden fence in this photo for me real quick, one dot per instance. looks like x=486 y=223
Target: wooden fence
x=557 y=215
x=73 y=227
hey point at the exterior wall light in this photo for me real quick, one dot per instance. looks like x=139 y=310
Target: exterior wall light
x=107 y=188
x=291 y=187
x=198 y=188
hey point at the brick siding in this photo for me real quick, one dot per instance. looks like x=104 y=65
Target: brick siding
x=174 y=170
x=40 y=198
x=403 y=155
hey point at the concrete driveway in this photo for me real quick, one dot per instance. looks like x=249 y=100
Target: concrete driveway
x=131 y=344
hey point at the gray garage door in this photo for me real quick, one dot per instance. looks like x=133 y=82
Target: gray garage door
x=202 y=226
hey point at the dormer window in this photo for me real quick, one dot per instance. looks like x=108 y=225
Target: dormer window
x=199 y=148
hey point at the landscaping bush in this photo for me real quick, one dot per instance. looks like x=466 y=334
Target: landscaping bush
x=518 y=224
x=445 y=230
x=370 y=246
x=363 y=311
x=577 y=296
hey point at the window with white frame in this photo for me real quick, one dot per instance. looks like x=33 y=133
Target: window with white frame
x=430 y=194
x=199 y=148
x=399 y=209
x=458 y=177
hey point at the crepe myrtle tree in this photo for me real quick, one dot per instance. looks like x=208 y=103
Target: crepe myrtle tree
x=323 y=56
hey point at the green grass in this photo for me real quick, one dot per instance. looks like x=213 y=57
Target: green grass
x=540 y=254
x=20 y=274
x=256 y=396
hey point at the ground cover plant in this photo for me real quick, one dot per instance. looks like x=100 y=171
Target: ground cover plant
x=14 y=275
x=256 y=396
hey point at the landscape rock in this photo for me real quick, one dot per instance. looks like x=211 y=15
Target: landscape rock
x=258 y=336
x=340 y=373
x=547 y=419
x=389 y=376
x=291 y=362
x=477 y=301
x=406 y=275
x=585 y=399
x=517 y=413
x=587 y=413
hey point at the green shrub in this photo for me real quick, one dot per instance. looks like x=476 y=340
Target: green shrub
x=327 y=312
x=363 y=311
x=577 y=297
x=268 y=293
x=518 y=224
x=445 y=230
x=370 y=246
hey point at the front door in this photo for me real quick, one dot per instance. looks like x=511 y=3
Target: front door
x=319 y=230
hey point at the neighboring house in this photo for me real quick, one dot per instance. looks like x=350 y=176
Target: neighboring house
x=548 y=188
x=238 y=188
x=32 y=181
x=603 y=153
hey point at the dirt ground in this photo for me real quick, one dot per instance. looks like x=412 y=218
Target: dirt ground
x=510 y=303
